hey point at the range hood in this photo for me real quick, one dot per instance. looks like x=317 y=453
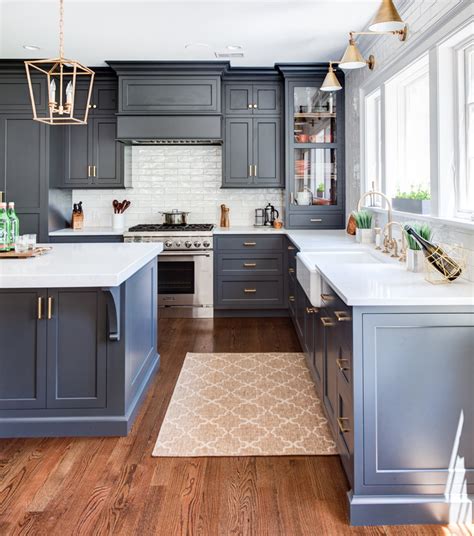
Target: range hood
x=169 y=129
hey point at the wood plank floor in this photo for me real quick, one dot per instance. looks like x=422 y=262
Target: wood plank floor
x=92 y=486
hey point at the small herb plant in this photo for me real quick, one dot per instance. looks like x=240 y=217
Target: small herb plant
x=419 y=195
x=363 y=219
x=320 y=187
x=423 y=229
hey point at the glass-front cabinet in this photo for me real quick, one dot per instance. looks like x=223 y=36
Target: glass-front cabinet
x=315 y=154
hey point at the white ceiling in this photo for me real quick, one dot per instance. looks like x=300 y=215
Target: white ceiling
x=270 y=31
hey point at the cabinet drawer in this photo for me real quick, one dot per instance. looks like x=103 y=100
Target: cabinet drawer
x=257 y=263
x=246 y=293
x=249 y=242
x=313 y=221
x=345 y=430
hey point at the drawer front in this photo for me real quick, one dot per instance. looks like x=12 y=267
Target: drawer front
x=257 y=263
x=313 y=221
x=250 y=242
x=345 y=430
x=248 y=293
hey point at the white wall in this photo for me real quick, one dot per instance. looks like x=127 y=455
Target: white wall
x=186 y=178
x=422 y=16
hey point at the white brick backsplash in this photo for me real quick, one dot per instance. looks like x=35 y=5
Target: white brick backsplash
x=185 y=178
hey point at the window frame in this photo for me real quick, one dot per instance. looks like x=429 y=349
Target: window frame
x=438 y=43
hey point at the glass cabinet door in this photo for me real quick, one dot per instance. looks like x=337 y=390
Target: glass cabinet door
x=315 y=177
x=314 y=115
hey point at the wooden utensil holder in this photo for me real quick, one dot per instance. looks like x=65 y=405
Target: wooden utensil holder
x=77 y=220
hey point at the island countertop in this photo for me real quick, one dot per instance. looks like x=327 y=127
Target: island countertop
x=78 y=265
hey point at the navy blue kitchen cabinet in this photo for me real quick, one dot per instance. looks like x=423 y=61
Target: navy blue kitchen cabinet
x=250 y=275
x=244 y=98
x=314 y=155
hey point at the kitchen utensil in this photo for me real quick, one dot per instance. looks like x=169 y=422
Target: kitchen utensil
x=271 y=214
x=77 y=220
x=125 y=206
x=259 y=217
x=115 y=204
x=175 y=217
x=225 y=222
x=304 y=197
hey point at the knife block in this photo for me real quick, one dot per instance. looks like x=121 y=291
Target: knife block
x=77 y=220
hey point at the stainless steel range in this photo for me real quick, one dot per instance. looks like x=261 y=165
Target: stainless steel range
x=185 y=267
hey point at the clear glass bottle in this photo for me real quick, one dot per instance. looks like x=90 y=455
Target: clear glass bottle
x=14 y=224
x=4 y=228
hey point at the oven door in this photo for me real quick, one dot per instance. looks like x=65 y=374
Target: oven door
x=185 y=279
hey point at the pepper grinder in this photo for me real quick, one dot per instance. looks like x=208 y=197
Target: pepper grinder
x=225 y=222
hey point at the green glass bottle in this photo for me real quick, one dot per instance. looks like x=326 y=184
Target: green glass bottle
x=4 y=228
x=14 y=224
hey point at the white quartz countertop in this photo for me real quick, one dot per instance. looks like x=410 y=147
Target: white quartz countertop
x=78 y=265
x=88 y=231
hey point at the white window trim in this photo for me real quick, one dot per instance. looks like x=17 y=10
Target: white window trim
x=459 y=20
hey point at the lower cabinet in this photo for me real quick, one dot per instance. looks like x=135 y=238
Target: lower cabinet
x=57 y=349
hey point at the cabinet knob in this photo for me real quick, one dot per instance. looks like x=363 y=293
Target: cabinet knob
x=93 y=106
x=312 y=310
x=255 y=106
x=291 y=248
x=250 y=290
x=291 y=270
x=291 y=298
x=250 y=106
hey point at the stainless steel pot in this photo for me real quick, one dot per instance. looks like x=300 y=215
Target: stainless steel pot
x=175 y=217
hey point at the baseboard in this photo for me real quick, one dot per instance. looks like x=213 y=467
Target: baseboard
x=410 y=509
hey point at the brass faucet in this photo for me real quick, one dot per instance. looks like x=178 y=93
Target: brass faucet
x=389 y=205
x=391 y=243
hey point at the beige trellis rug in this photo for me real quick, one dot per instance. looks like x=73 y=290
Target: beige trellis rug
x=232 y=404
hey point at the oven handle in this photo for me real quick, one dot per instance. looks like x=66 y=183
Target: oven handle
x=170 y=253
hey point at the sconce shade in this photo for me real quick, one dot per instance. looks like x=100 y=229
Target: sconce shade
x=352 y=58
x=331 y=83
x=387 y=18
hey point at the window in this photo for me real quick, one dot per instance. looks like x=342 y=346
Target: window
x=407 y=113
x=373 y=140
x=465 y=128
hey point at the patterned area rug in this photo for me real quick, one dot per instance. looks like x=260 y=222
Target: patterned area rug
x=233 y=404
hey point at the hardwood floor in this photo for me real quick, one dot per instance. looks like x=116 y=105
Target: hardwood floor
x=92 y=486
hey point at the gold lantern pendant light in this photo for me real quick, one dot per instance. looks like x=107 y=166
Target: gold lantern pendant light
x=62 y=76
x=387 y=19
x=330 y=82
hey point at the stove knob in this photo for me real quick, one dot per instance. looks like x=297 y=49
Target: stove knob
x=206 y=243
x=188 y=244
x=197 y=244
x=178 y=244
x=168 y=243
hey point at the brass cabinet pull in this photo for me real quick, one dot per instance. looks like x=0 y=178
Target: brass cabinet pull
x=255 y=170
x=291 y=248
x=312 y=310
x=327 y=322
x=340 y=423
x=250 y=264
x=250 y=244
x=255 y=106
x=93 y=106
x=50 y=308
x=342 y=316
x=340 y=364
x=250 y=290
x=89 y=172
x=315 y=220
x=40 y=308
x=291 y=270
x=291 y=298
x=327 y=297
x=94 y=171
x=250 y=170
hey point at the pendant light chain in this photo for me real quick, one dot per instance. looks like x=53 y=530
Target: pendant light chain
x=61 y=28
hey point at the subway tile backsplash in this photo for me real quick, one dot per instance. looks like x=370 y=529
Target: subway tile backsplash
x=186 y=178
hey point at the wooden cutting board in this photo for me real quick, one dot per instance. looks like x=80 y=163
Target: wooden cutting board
x=25 y=255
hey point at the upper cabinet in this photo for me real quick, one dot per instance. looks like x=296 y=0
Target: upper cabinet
x=254 y=99
x=314 y=153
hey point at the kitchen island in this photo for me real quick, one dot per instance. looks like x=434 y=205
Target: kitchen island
x=78 y=331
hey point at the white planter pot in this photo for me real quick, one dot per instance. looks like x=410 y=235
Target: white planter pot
x=415 y=260
x=118 y=221
x=364 y=236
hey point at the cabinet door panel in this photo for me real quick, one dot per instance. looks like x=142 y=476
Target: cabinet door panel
x=77 y=351
x=238 y=152
x=106 y=153
x=23 y=353
x=266 y=151
x=238 y=99
x=267 y=98
x=78 y=156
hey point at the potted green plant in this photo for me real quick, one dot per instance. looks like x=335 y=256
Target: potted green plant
x=364 y=231
x=320 y=190
x=415 y=256
x=416 y=201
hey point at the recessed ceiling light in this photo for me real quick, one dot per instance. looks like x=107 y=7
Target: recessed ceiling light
x=197 y=45
x=234 y=47
x=31 y=47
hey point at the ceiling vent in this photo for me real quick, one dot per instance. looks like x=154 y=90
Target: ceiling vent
x=229 y=55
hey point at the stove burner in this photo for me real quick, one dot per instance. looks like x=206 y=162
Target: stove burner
x=155 y=227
